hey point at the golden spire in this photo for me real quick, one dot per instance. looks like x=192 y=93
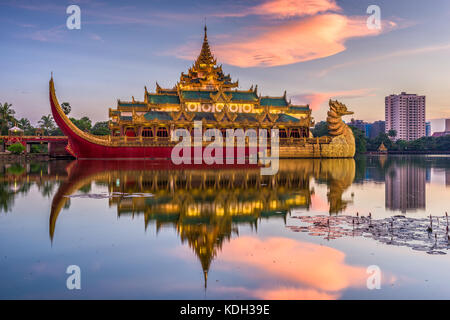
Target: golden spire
x=205 y=57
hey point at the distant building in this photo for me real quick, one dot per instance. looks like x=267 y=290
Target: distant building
x=428 y=128
x=405 y=113
x=376 y=128
x=405 y=188
x=359 y=124
x=445 y=132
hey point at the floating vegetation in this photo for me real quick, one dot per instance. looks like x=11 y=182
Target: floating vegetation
x=106 y=195
x=429 y=235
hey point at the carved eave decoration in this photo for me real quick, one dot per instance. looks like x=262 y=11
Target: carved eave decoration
x=225 y=115
x=138 y=118
x=177 y=116
x=220 y=96
x=266 y=115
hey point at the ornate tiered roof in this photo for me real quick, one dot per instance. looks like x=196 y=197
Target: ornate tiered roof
x=204 y=87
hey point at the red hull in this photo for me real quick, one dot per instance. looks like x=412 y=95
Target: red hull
x=82 y=148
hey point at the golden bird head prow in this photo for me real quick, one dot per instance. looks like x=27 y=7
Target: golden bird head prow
x=339 y=108
x=336 y=126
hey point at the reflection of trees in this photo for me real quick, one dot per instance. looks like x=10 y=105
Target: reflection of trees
x=46 y=188
x=6 y=197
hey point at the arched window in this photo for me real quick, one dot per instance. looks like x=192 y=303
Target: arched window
x=282 y=133
x=147 y=132
x=295 y=133
x=162 y=132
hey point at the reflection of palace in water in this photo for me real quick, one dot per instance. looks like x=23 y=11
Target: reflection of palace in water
x=205 y=205
x=405 y=187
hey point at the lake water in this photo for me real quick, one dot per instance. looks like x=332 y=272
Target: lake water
x=149 y=230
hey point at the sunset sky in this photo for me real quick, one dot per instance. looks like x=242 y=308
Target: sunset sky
x=314 y=49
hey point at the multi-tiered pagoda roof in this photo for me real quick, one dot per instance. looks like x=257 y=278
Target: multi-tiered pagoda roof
x=205 y=93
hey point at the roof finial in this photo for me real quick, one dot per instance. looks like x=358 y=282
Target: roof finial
x=206 y=31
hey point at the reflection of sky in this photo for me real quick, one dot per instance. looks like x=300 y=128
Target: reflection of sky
x=120 y=259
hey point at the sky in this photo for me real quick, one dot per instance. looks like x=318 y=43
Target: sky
x=313 y=49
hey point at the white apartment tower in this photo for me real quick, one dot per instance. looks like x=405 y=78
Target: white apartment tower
x=405 y=113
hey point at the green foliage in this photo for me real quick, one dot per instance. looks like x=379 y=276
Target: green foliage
x=16 y=148
x=374 y=144
x=392 y=133
x=101 y=128
x=56 y=132
x=84 y=123
x=423 y=144
x=6 y=117
x=360 y=140
x=39 y=148
x=47 y=123
x=320 y=129
x=15 y=169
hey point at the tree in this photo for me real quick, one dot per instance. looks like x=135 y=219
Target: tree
x=16 y=148
x=320 y=129
x=101 y=128
x=360 y=140
x=84 y=123
x=26 y=126
x=6 y=116
x=47 y=123
x=392 y=133
x=66 y=107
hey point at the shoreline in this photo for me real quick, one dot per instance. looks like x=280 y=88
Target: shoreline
x=408 y=152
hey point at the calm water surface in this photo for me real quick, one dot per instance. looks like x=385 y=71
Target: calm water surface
x=147 y=230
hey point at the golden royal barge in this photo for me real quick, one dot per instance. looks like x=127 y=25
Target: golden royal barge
x=142 y=129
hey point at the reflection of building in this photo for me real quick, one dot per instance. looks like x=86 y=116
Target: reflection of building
x=405 y=113
x=447 y=177
x=405 y=188
x=206 y=206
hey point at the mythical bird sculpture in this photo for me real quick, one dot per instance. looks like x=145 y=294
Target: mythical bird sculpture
x=342 y=144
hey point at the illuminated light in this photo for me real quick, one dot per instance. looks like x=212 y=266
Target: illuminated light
x=219 y=107
x=192 y=211
x=273 y=204
x=247 y=208
x=206 y=108
x=220 y=211
x=192 y=107
x=247 y=108
x=117 y=182
x=234 y=108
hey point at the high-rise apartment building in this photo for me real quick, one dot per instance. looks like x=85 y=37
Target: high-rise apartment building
x=405 y=113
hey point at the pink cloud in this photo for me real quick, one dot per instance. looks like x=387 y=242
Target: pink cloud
x=285 y=8
x=317 y=99
x=310 y=38
x=313 y=271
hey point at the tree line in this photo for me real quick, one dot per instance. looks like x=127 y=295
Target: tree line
x=47 y=123
x=364 y=144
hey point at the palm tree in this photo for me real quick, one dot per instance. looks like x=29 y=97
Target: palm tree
x=392 y=133
x=47 y=123
x=26 y=126
x=6 y=116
